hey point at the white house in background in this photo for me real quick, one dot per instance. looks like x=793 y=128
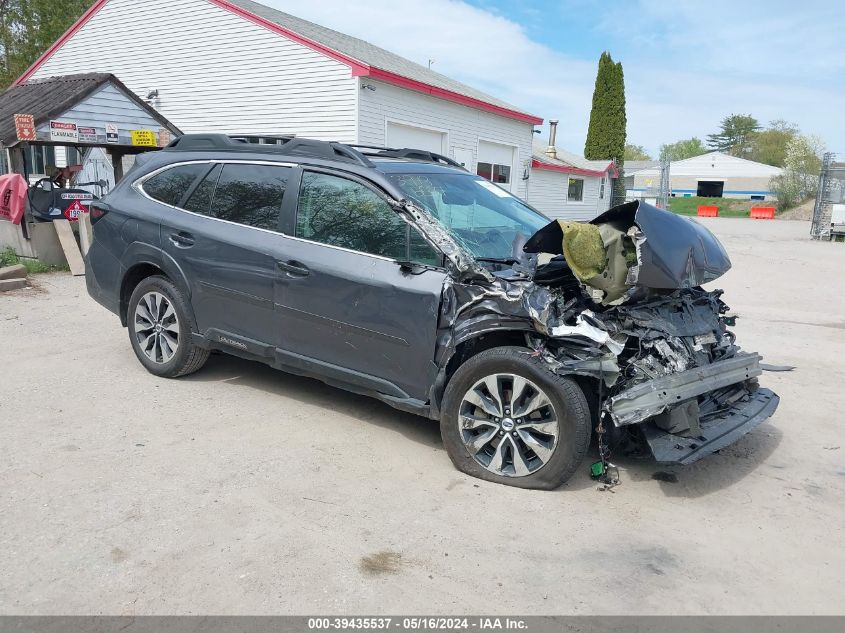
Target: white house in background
x=564 y=185
x=239 y=67
x=714 y=175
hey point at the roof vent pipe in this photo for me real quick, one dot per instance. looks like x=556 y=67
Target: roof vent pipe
x=551 y=150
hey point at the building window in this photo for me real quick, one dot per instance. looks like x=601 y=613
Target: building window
x=601 y=191
x=39 y=158
x=576 y=190
x=493 y=172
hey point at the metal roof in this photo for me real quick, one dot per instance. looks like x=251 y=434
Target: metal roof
x=568 y=160
x=47 y=99
x=369 y=54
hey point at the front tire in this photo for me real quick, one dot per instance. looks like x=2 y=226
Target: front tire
x=507 y=418
x=160 y=328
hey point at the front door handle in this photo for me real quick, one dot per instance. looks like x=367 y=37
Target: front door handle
x=182 y=238
x=293 y=268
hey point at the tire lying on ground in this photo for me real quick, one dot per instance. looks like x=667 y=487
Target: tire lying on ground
x=506 y=418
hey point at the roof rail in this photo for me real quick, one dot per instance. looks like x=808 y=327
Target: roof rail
x=407 y=152
x=329 y=150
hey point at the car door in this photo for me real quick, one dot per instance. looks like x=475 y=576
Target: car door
x=225 y=237
x=345 y=302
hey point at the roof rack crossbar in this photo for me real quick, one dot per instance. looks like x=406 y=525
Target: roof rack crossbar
x=330 y=150
x=407 y=152
x=312 y=148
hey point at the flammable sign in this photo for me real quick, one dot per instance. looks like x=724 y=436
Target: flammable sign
x=74 y=209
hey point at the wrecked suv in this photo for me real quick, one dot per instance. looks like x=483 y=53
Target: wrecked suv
x=397 y=274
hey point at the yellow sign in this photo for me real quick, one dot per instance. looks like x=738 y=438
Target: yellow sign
x=144 y=138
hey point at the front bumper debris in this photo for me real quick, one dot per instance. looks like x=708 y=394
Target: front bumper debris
x=651 y=398
x=716 y=432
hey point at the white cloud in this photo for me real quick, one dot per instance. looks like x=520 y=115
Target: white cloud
x=685 y=66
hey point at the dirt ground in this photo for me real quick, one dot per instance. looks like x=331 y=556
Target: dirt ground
x=243 y=490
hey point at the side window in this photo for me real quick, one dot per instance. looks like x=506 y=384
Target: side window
x=250 y=195
x=200 y=200
x=170 y=185
x=344 y=213
x=421 y=252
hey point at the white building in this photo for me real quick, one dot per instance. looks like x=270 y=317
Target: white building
x=238 y=67
x=564 y=185
x=712 y=175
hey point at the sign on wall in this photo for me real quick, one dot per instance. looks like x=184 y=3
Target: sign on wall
x=144 y=138
x=111 y=133
x=63 y=132
x=25 y=127
x=87 y=135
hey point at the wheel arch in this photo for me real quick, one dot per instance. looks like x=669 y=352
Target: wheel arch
x=141 y=261
x=468 y=347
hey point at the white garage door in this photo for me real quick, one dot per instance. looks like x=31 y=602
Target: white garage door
x=400 y=136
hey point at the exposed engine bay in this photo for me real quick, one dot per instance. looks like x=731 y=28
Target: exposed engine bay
x=619 y=301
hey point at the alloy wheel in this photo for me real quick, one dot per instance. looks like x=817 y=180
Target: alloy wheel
x=508 y=424
x=156 y=327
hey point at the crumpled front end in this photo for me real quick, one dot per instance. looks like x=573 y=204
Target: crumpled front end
x=620 y=301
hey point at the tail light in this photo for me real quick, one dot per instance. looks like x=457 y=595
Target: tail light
x=98 y=210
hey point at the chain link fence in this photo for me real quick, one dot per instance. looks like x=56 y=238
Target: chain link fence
x=829 y=211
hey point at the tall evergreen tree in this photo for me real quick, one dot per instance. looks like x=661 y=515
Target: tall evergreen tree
x=28 y=28
x=606 y=134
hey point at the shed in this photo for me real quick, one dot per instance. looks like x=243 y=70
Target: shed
x=566 y=186
x=241 y=68
x=42 y=120
x=77 y=112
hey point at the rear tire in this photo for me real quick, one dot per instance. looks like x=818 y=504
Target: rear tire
x=160 y=328
x=507 y=418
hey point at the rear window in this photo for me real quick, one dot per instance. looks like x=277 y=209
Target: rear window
x=172 y=184
x=250 y=194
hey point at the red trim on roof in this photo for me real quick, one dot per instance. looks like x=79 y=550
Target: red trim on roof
x=60 y=42
x=359 y=69
x=448 y=95
x=568 y=169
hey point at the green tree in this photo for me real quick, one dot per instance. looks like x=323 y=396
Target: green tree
x=636 y=152
x=28 y=28
x=679 y=150
x=735 y=132
x=606 y=133
x=801 y=166
x=769 y=146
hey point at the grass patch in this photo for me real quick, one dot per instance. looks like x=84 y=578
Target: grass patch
x=728 y=207
x=33 y=266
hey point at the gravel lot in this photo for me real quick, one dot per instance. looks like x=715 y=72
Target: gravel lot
x=243 y=490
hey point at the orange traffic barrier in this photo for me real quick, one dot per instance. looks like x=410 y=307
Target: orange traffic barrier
x=763 y=213
x=708 y=212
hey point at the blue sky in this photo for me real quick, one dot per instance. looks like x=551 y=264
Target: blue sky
x=687 y=64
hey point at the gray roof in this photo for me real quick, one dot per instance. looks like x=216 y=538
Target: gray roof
x=568 y=159
x=49 y=98
x=369 y=54
x=632 y=166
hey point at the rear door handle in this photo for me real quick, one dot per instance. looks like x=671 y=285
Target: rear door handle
x=182 y=238
x=293 y=268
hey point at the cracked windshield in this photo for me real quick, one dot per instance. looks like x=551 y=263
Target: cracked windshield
x=484 y=218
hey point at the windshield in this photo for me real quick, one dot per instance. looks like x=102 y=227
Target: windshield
x=484 y=218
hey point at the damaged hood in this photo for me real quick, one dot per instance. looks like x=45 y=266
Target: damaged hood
x=672 y=252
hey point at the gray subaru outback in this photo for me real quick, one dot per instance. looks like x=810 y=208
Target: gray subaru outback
x=397 y=274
